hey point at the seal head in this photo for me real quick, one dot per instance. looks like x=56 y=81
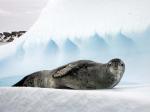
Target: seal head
x=116 y=67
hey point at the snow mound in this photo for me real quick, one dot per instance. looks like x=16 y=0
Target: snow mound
x=120 y=99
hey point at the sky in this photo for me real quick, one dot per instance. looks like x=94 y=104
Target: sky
x=19 y=14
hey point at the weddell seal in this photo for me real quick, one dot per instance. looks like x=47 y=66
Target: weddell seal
x=82 y=74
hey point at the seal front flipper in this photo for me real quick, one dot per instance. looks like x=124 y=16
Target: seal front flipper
x=71 y=67
x=62 y=72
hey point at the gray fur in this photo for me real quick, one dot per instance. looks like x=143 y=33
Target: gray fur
x=82 y=74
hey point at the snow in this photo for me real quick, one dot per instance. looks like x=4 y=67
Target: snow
x=128 y=98
x=2 y=43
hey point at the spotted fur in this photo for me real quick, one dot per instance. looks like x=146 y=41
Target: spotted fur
x=82 y=74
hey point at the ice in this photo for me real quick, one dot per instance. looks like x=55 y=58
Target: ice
x=131 y=98
x=51 y=54
x=52 y=47
x=70 y=48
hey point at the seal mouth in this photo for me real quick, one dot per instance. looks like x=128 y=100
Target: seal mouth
x=116 y=69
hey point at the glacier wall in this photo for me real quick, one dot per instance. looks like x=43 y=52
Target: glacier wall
x=41 y=56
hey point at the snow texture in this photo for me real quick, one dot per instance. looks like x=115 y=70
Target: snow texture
x=120 y=99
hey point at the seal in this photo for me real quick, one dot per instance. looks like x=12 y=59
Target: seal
x=82 y=74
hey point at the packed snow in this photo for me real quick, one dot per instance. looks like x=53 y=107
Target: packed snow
x=131 y=98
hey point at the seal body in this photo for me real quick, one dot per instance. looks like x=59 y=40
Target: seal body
x=82 y=74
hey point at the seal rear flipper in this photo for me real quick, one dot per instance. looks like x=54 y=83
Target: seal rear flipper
x=20 y=83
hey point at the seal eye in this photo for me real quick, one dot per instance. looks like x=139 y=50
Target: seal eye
x=109 y=64
x=122 y=64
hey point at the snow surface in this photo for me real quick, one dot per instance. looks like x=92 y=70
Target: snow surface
x=129 y=98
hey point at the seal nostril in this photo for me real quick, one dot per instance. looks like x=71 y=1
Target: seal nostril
x=115 y=68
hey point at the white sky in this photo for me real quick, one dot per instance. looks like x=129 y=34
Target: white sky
x=19 y=14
